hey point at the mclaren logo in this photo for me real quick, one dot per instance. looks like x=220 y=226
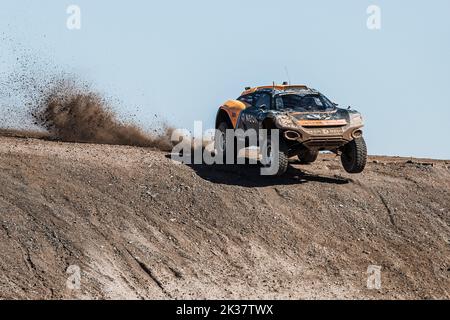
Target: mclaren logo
x=318 y=117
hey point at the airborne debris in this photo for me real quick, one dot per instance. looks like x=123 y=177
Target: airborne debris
x=38 y=94
x=74 y=114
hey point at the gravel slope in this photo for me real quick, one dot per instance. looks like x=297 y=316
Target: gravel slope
x=141 y=226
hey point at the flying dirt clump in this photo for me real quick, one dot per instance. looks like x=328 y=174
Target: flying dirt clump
x=73 y=114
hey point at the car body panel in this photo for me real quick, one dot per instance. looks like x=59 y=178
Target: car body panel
x=233 y=108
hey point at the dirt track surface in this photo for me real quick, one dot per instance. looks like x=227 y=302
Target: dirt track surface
x=140 y=226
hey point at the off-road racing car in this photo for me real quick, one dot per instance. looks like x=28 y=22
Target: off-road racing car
x=308 y=122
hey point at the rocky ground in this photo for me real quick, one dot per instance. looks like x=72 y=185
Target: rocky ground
x=140 y=226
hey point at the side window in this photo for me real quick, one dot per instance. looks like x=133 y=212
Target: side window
x=279 y=104
x=264 y=99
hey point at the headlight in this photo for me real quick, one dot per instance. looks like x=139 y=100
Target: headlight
x=285 y=121
x=356 y=119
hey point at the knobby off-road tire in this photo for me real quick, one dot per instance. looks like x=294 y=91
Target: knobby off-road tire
x=283 y=159
x=307 y=156
x=354 y=156
x=221 y=146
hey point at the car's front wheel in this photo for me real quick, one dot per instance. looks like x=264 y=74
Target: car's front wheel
x=354 y=156
x=276 y=157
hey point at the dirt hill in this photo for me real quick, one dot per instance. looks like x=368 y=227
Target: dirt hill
x=139 y=225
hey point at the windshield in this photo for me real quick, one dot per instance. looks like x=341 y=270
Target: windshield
x=304 y=103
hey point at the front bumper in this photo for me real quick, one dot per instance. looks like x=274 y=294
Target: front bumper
x=323 y=137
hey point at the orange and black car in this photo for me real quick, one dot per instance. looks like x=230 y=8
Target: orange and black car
x=308 y=122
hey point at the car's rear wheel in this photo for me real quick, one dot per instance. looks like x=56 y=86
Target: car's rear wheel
x=354 y=156
x=307 y=156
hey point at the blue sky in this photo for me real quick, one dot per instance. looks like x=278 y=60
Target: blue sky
x=182 y=59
